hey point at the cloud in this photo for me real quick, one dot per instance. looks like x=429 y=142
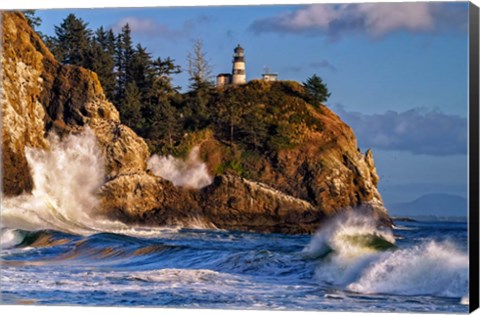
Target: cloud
x=417 y=131
x=150 y=27
x=322 y=64
x=313 y=66
x=373 y=19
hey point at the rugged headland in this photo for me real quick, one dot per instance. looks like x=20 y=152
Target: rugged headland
x=288 y=188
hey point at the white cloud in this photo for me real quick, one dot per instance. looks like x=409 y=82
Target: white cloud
x=418 y=131
x=374 y=19
x=312 y=16
x=388 y=17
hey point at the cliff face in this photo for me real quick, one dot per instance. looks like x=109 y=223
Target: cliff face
x=40 y=95
x=311 y=154
x=290 y=191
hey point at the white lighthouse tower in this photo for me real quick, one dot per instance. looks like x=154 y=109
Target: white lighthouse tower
x=238 y=71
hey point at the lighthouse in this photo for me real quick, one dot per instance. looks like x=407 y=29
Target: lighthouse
x=238 y=69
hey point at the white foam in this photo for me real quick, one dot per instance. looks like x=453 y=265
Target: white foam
x=66 y=177
x=428 y=269
x=10 y=238
x=403 y=228
x=335 y=234
x=192 y=173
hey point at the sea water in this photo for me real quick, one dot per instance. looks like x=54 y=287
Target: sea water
x=56 y=251
x=426 y=271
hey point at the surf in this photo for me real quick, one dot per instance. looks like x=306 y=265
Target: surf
x=349 y=234
x=67 y=177
x=356 y=255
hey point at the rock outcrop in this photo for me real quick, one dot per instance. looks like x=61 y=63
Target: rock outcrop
x=40 y=95
x=291 y=191
x=326 y=168
x=230 y=202
x=236 y=203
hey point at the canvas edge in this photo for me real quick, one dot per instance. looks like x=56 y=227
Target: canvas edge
x=473 y=156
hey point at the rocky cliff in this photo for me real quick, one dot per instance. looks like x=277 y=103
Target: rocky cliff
x=289 y=191
x=319 y=160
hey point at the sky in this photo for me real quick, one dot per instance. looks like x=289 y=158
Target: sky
x=397 y=72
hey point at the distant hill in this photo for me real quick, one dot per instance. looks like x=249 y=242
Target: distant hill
x=431 y=205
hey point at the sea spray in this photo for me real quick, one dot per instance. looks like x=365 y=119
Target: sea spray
x=191 y=173
x=431 y=268
x=347 y=242
x=66 y=178
x=355 y=257
x=10 y=237
x=351 y=233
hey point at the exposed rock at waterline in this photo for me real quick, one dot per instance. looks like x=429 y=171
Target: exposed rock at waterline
x=230 y=202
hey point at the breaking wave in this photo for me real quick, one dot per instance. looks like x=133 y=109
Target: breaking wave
x=66 y=178
x=358 y=256
x=191 y=173
x=349 y=234
x=430 y=268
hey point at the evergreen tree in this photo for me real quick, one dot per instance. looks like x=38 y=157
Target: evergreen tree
x=163 y=119
x=123 y=60
x=163 y=69
x=131 y=108
x=140 y=87
x=140 y=70
x=229 y=111
x=164 y=123
x=101 y=60
x=52 y=44
x=316 y=91
x=254 y=128
x=33 y=20
x=72 y=41
x=110 y=42
x=196 y=108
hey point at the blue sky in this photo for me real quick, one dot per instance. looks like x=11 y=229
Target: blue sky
x=397 y=72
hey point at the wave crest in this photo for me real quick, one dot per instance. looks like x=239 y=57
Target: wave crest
x=430 y=268
x=66 y=178
x=357 y=257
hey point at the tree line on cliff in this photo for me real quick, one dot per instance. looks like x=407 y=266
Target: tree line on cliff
x=141 y=87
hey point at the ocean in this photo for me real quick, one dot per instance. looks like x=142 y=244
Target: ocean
x=56 y=250
x=349 y=265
